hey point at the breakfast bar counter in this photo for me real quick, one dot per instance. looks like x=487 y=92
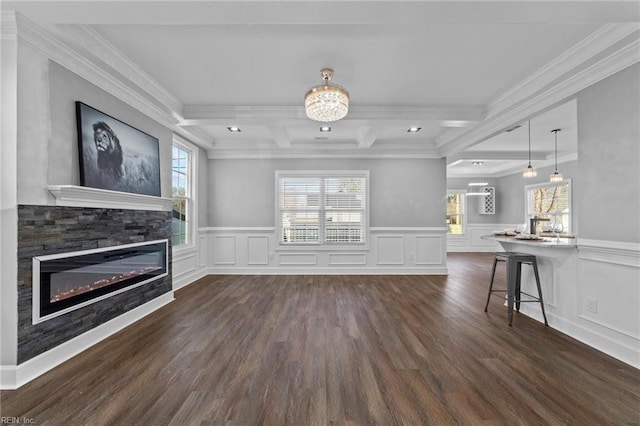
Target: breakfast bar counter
x=556 y=258
x=547 y=242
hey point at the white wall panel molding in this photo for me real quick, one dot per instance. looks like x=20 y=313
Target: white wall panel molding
x=435 y=229
x=393 y=250
x=390 y=249
x=257 y=250
x=224 y=249
x=429 y=249
x=621 y=253
x=337 y=259
x=184 y=265
x=297 y=259
x=240 y=229
x=471 y=240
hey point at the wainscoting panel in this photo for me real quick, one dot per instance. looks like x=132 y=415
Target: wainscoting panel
x=429 y=249
x=347 y=259
x=471 y=240
x=257 y=250
x=203 y=250
x=184 y=263
x=224 y=250
x=297 y=259
x=390 y=250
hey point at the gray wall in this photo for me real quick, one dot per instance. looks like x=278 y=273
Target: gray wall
x=202 y=189
x=609 y=158
x=403 y=193
x=606 y=176
x=510 y=192
x=48 y=147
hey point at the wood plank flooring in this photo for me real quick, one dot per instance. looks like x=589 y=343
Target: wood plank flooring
x=335 y=350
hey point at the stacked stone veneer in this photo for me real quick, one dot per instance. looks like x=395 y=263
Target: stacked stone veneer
x=44 y=230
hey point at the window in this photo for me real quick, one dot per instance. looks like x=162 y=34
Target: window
x=456 y=211
x=181 y=194
x=550 y=201
x=322 y=207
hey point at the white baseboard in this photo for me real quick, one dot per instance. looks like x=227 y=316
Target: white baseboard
x=306 y=270
x=186 y=279
x=12 y=377
x=615 y=348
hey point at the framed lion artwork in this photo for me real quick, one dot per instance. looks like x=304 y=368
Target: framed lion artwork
x=114 y=155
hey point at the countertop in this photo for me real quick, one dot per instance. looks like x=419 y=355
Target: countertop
x=550 y=242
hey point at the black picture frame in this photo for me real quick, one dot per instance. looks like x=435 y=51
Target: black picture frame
x=114 y=155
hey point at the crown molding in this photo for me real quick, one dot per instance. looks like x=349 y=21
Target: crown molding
x=597 y=42
x=45 y=43
x=620 y=59
x=8 y=25
x=92 y=42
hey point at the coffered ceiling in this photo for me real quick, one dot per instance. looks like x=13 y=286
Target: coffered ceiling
x=462 y=71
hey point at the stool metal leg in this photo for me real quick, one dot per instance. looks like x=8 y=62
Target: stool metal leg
x=535 y=271
x=493 y=274
x=518 y=285
x=511 y=287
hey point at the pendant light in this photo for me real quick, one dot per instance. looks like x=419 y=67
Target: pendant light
x=556 y=177
x=480 y=182
x=529 y=172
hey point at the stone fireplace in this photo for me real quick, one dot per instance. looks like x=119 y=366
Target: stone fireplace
x=92 y=266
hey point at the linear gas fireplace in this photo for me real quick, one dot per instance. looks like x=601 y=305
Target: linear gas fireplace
x=68 y=281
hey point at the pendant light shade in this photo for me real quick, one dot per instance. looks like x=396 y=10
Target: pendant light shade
x=556 y=177
x=529 y=172
x=326 y=102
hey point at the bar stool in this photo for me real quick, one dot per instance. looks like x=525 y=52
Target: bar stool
x=514 y=261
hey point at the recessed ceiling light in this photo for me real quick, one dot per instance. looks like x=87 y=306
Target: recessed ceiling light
x=234 y=129
x=325 y=129
x=413 y=129
x=455 y=123
x=477 y=163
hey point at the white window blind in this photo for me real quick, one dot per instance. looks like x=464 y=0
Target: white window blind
x=318 y=209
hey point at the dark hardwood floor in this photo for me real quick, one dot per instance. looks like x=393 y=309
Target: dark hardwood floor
x=316 y=350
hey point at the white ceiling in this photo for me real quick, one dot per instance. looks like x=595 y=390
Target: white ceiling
x=463 y=71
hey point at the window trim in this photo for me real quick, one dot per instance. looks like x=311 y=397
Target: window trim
x=530 y=187
x=192 y=209
x=464 y=211
x=323 y=245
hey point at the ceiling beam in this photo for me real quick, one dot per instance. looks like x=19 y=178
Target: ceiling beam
x=495 y=155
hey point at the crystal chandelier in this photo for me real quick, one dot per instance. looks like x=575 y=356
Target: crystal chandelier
x=326 y=102
x=529 y=172
x=556 y=177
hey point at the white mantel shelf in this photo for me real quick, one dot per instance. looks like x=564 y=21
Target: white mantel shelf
x=83 y=196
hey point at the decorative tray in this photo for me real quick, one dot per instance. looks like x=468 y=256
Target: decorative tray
x=528 y=237
x=505 y=233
